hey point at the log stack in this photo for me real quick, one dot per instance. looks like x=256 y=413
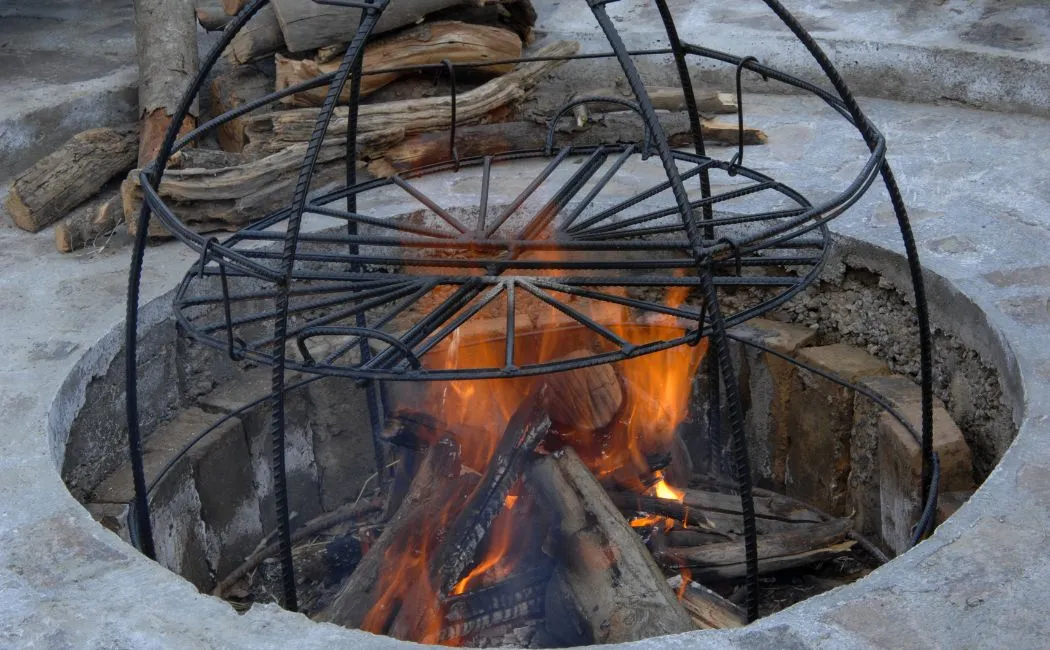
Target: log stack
x=404 y=118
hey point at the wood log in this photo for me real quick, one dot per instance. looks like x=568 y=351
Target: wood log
x=64 y=179
x=488 y=139
x=458 y=551
x=227 y=197
x=607 y=580
x=708 y=610
x=232 y=7
x=587 y=398
x=664 y=98
x=429 y=43
x=90 y=221
x=308 y=26
x=438 y=475
x=415 y=116
x=234 y=88
x=166 y=43
x=776 y=552
x=261 y=37
x=211 y=15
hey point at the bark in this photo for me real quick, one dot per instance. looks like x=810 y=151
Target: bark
x=234 y=88
x=61 y=181
x=166 y=42
x=88 y=222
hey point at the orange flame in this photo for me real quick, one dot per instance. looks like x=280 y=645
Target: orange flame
x=656 y=386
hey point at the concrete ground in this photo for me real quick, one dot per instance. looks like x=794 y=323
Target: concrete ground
x=980 y=201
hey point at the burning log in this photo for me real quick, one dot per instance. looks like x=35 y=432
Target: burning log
x=428 y=43
x=458 y=551
x=776 y=552
x=586 y=398
x=437 y=481
x=281 y=128
x=707 y=609
x=518 y=597
x=487 y=139
x=608 y=585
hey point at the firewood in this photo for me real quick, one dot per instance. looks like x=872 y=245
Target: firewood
x=241 y=84
x=518 y=16
x=428 y=43
x=261 y=37
x=438 y=478
x=664 y=98
x=415 y=116
x=61 y=181
x=228 y=197
x=457 y=552
x=489 y=139
x=517 y=597
x=776 y=552
x=607 y=581
x=166 y=42
x=90 y=221
x=232 y=7
x=308 y=25
x=211 y=15
x=586 y=398
x=708 y=610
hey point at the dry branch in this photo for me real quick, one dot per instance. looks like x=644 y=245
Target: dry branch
x=428 y=43
x=608 y=584
x=61 y=181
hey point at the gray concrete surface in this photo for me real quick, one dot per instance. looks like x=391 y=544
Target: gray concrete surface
x=980 y=201
x=64 y=67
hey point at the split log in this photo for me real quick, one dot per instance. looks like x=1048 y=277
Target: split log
x=438 y=478
x=489 y=139
x=458 y=551
x=308 y=25
x=260 y=38
x=708 y=610
x=228 y=197
x=90 y=221
x=587 y=398
x=64 y=179
x=610 y=587
x=234 y=88
x=429 y=43
x=776 y=552
x=664 y=98
x=414 y=116
x=166 y=43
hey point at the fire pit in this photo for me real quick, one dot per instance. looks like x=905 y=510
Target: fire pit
x=529 y=367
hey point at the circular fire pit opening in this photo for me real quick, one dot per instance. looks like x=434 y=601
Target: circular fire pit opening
x=820 y=453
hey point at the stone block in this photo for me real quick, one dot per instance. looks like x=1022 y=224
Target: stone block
x=342 y=439
x=766 y=382
x=900 y=469
x=820 y=422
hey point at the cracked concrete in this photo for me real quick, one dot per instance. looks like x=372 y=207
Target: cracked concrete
x=977 y=179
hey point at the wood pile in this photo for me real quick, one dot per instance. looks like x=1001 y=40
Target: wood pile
x=533 y=549
x=404 y=118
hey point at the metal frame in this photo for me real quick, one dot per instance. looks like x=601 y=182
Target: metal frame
x=350 y=289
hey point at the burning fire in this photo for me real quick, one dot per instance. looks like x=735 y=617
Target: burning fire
x=656 y=395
